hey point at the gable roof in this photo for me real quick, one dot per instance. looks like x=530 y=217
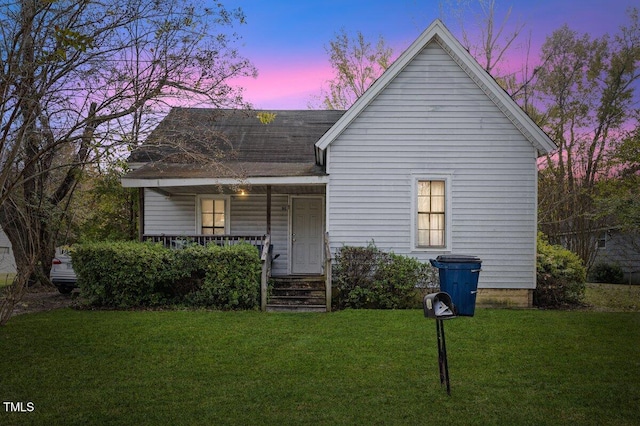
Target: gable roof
x=246 y=146
x=438 y=32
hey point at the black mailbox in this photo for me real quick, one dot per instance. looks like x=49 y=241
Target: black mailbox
x=438 y=306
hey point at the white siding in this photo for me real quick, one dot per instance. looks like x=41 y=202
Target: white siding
x=433 y=119
x=249 y=216
x=169 y=215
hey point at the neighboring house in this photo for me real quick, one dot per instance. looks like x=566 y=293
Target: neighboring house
x=435 y=158
x=622 y=249
x=7 y=261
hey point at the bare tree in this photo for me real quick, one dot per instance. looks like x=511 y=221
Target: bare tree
x=79 y=80
x=491 y=39
x=356 y=65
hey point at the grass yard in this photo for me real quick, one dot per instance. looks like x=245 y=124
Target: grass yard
x=613 y=297
x=6 y=279
x=525 y=367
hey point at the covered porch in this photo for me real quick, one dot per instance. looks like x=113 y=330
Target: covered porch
x=286 y=222
x=221 y=174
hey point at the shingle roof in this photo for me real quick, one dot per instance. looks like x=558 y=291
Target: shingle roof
x=237 y=139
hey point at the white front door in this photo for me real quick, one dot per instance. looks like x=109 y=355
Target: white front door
x=306 y=235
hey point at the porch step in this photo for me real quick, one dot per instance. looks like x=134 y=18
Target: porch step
x=300 y=293
x=295 y=308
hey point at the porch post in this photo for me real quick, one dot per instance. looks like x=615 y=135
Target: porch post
x=269 y=209
x=140 y=214
x=266 y=257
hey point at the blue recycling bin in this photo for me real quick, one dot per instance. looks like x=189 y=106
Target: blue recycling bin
x=459 y=278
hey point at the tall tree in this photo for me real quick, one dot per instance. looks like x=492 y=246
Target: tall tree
x=356 y=64
x=586 y=88
x=73 y=74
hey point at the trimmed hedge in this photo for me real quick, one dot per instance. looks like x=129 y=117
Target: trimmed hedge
x=133 y=274
x=368 y=278
x=121 y=274
x=561 y=276
x=232 y=279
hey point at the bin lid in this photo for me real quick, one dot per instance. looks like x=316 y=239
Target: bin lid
x=458 y=258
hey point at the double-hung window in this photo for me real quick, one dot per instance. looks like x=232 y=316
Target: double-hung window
x=431 y=221
x=212 y=215
x=602 y=240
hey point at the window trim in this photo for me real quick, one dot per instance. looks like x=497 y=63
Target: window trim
x=601 y=240
x=227 y=208
x=446 y=178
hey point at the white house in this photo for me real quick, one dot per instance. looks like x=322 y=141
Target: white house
x=7 y=262
x=435 y=158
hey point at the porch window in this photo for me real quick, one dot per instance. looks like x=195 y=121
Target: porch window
x=213 y=216
x=431 y=220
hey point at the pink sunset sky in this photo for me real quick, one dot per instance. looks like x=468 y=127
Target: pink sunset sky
x=286 y=39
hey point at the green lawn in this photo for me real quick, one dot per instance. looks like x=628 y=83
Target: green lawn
x=613 y=297
x=351 y=367
x=6 y=279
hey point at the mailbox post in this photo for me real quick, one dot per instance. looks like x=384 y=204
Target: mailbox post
x=439 y=307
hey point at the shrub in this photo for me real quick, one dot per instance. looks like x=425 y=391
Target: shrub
x=232 y=279
x=353 y=275
x=607 y=273
x=185 y=272
x=133 y=274
x=366 y=277
x=561 y=276
x=121 y=274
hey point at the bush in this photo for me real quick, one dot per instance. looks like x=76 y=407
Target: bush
x=607 y=273
x=561 y=276
x=187 y=271
x=366 y=277
x=132 y=274
x=121 y=274
x=232 y=279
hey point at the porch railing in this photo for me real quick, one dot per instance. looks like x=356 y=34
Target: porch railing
x=262 y=243
x=179 y=241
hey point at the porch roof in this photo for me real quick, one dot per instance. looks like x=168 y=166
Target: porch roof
x=236 y=170
x=198 y=143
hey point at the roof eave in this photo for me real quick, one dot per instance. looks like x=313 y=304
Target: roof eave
x=177 y=182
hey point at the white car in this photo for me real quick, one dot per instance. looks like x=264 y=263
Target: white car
x=62 y=274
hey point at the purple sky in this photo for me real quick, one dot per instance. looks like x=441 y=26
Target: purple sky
x=286 y=39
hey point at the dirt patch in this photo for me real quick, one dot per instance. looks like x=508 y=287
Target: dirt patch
x=44 y=300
